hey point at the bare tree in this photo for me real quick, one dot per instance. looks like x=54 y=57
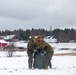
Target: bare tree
x=10 y=49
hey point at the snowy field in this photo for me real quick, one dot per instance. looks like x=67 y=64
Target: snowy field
x=62 y=64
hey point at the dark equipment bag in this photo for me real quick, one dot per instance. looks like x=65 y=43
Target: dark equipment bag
x=39 y=59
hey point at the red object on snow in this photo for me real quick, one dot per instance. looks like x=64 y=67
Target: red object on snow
x=3 y=43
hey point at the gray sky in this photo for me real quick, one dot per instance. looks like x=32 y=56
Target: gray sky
x=27 y=14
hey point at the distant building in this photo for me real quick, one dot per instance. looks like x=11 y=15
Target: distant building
x=3 y=43
x=11 y=38
x=50 y=39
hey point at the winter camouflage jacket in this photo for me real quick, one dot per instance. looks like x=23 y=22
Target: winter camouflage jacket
x=30 y=47
x=47 y=47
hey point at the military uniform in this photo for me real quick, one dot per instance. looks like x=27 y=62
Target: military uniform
x=49 y=51
x=30 y=51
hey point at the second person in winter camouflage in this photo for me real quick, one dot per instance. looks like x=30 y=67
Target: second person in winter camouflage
x=30 y=51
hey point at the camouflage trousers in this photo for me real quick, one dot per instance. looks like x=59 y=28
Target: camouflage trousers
x=48 y=60
x=30 y=60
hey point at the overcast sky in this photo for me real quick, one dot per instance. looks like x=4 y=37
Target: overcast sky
x=28 y=14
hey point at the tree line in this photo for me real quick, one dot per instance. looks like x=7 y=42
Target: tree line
x=62 y=35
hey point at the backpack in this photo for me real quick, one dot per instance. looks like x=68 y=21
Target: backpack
x=39 y=59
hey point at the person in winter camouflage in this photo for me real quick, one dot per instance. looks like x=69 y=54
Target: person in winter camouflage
x=40 y=43
x=39 y=54
x=30 y=51
x=50 y=52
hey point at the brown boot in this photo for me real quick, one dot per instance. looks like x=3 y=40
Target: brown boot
x=30 y=67
x=46 y=68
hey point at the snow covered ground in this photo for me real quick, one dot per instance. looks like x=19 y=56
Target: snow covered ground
x=18 y=64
